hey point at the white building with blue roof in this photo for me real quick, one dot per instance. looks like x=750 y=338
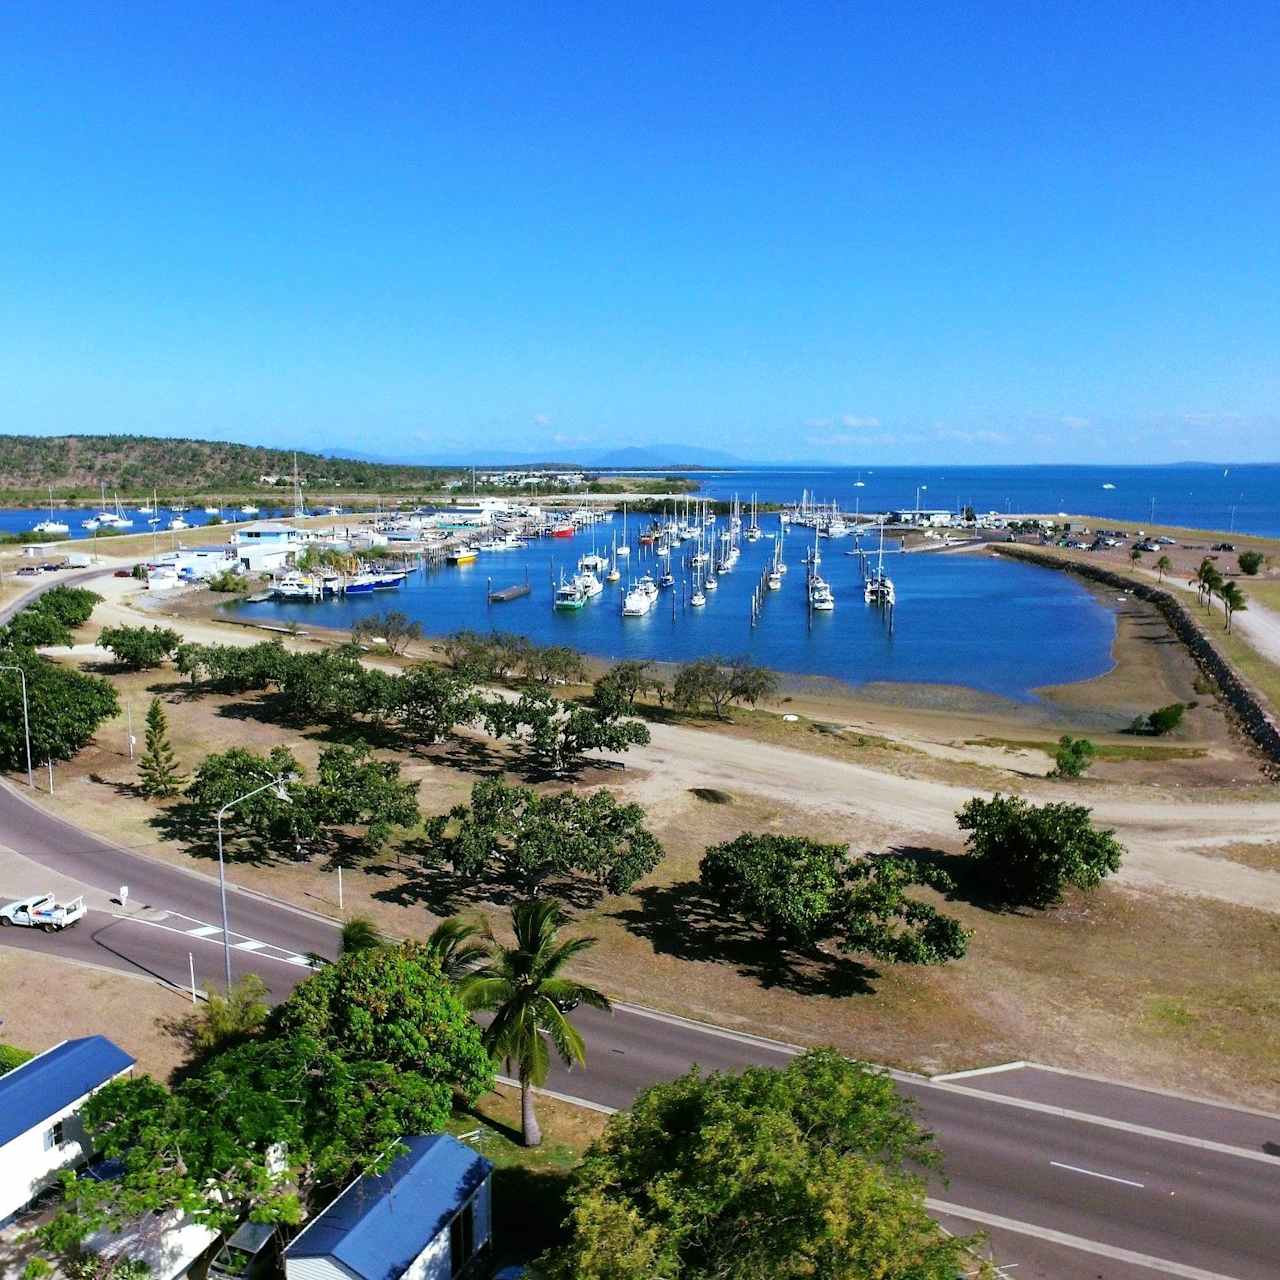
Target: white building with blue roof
x=40 y=1130
x=429 y=1217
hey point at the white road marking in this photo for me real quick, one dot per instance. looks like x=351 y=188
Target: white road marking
x=1180 y=1270
x=213 y=934
x=1084 y=1117
x=980 y=1071
x=1128 y=1182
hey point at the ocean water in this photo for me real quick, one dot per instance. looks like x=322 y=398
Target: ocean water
x=993 y=625
x=1241 y=498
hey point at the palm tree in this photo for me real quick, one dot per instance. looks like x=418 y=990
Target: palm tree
x=1233 y=599
x=523 y=987
x=450 y=945
x=1163 y=565
x=1135 y=555
x=359 y=933
x=1213 y=582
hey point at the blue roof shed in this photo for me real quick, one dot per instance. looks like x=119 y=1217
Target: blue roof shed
x=382 y=1223
x=50 y=1082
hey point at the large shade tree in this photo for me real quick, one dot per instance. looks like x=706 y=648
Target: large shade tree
x=1024 y=854
x=801 y=893
x=765 y=1175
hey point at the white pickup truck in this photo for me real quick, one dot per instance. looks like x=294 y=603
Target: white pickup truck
x=43 y=911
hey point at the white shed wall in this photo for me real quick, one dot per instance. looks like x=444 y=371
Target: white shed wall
x=26 y=1167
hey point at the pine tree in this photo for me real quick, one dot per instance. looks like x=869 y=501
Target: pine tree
x=158 y=768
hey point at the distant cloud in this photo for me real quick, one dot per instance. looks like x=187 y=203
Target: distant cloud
x=1212 y=419
x=854 y=421
x=541 y=419
x=847 y=439
x=851 y=421
x=1074 y=423
x=968 y=437
x=818 y=424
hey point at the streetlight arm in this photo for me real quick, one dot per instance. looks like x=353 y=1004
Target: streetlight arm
x=277 y=782
x=248 y=795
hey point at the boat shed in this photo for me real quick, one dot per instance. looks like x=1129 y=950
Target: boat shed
x=40 y=1133
x=428 y=1217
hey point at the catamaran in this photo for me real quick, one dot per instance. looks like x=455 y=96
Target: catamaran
x=586 y=579
x=641 y=598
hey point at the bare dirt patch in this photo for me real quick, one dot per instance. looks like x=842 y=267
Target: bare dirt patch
x=76 y=1000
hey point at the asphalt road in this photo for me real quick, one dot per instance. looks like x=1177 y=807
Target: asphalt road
x=1189 y=1189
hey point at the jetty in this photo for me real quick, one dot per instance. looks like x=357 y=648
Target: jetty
x=504 y=595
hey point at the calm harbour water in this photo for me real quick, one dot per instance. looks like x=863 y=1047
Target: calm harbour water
x=993 y=625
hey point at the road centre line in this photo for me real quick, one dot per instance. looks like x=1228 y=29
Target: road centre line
x=1178 y=1270
x=942 y=1085
x=1091 y=1173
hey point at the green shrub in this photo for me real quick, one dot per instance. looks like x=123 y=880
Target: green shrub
x=1073 y=756
x=1166 y=719
x=11 y=1056
x=1250 y=562
x=228 y=581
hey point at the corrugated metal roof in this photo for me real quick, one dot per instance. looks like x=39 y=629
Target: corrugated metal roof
x=380 y=1223
x=53 y=1080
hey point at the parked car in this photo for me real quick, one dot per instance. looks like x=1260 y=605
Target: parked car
x=28 y=571
x=1224 y=546
x=43 y=911
x=123 y=573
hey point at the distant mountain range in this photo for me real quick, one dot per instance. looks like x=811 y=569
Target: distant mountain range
x=641 y=457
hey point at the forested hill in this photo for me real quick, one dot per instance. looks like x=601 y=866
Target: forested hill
x=77 y=465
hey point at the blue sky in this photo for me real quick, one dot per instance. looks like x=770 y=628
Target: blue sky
x=863 y=233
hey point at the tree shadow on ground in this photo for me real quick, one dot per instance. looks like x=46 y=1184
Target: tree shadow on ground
x=427 y=882
x=962 y=869
x=680 y=920
x=126 y=790
x=196 y=831
x=529 y=1207
x=176 y=690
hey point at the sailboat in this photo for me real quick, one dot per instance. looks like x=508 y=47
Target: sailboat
x=774 y=579
x=51 y=525
x=613 y=575
x=879 y=588
x=624 y=547
x=299 y=507
x=821 y=598
x=753 y=533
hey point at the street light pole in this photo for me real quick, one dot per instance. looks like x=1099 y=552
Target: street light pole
x=26 y=722
x=279 y=784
